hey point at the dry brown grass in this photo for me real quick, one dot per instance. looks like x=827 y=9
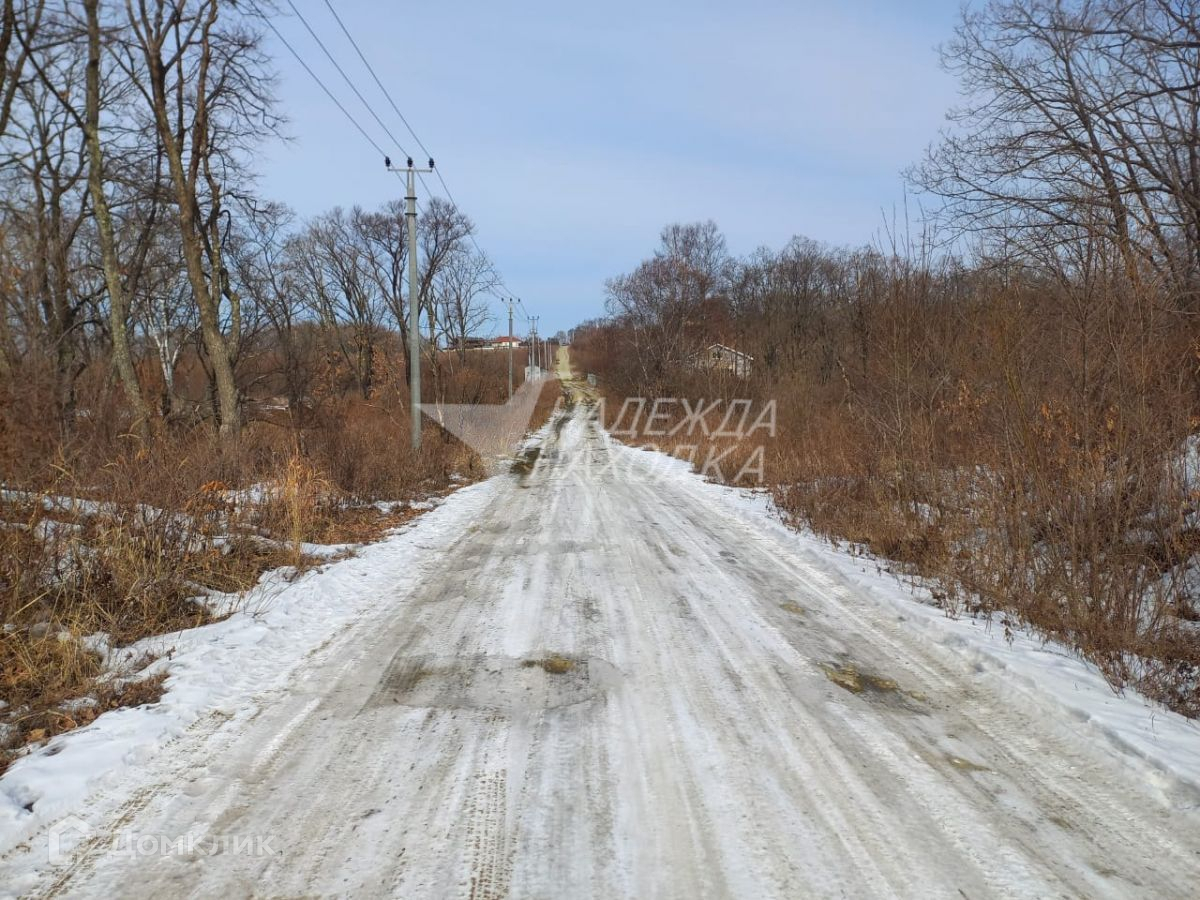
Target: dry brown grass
x=58 y=707
x=552 y=396
x=1009 y=445
x=119 y=535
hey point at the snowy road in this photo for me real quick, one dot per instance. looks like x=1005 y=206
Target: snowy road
x=610 y=686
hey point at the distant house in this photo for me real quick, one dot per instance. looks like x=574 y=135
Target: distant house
x=475 y=343
x=503 y=343
x=723 y=359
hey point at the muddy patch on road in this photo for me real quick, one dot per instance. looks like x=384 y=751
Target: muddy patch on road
x=965 y=765
x=561 y=422
x=501 y=684
x=551 y=665
x=525 y=461
x=871 y=686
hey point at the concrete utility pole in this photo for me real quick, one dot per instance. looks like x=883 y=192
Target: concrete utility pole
x=536 y=357
x=414 y=303
x=508 y=340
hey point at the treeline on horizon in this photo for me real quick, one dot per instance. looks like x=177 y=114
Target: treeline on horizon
x=1005 y=402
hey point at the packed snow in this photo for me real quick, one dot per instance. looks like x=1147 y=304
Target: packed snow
x=608 y=677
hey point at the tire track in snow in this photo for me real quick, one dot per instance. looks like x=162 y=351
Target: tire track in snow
x=715 y=759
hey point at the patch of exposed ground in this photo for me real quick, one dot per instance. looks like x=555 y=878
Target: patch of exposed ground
x=496 y=683
x=525 y=461
x=551 y=665
x=870 y=685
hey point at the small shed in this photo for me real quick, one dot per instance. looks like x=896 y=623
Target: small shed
x=723 y=359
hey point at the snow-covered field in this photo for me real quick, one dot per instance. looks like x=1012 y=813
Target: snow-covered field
x=607 y=677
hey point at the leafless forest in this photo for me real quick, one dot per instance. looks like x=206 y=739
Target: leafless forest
x=863 y=563
x=998 y=393
x=169 y=339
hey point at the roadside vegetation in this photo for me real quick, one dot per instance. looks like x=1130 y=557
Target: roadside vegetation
x=197 y=386
x=1003 y=400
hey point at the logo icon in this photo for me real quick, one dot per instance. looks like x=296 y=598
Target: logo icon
x=489 y=429
x=63 y=836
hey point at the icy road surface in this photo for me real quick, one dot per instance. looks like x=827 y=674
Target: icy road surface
x=610 y=686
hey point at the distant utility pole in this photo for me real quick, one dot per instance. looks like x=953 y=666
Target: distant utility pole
x=414 y=304
x=509 y=340
x=536 y=356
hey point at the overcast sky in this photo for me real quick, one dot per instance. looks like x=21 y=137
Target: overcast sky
x=571 y=133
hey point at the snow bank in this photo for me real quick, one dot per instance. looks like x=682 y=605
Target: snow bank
x=215 y=669
x=1163 y=745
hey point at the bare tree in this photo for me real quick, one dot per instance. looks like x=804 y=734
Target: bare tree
x=332 y=267
x=668 y=300
x=19 y=21
x=459 y=289
x=443 y=232
x=161 y=303
x=383 y=237
x=262 y=267
x=118 y=302
x=207 y=88
x=1079 y=117
x=46 y=209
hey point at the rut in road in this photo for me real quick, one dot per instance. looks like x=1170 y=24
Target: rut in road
x=610 y=685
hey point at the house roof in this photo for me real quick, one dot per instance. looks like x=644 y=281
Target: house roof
x=729 y=350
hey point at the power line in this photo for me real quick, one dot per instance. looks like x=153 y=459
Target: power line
x=300 y=59
x=357 y=93
x=387 y=94
x=346 y=78
x=370 y=69
x=328 y=93
x=320 y=83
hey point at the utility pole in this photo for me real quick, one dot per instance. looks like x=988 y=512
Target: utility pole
x=536 y=357
x=508 y=339
x=414 y=302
